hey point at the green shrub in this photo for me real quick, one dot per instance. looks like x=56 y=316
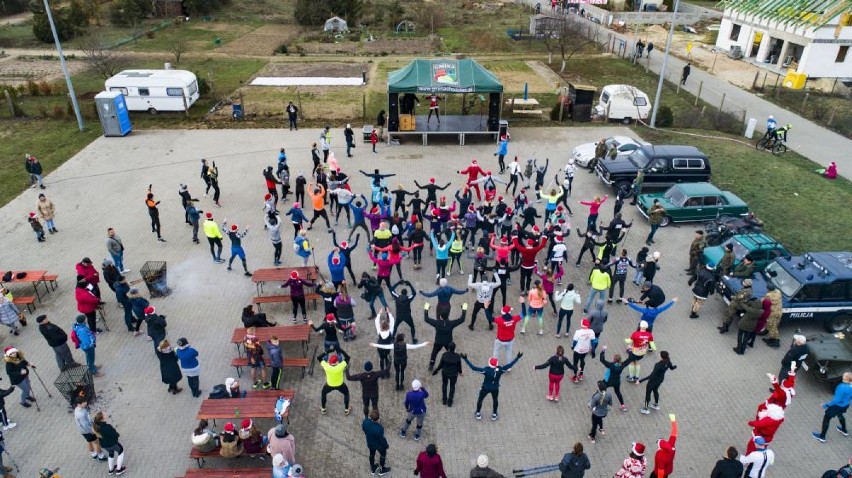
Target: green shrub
x=282 y=49
x=665 y=117
x=203 y=85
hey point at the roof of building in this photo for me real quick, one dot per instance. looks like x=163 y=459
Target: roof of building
x=795 y=13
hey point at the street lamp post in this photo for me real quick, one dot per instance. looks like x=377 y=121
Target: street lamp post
x=64 y=67
x=663 y=67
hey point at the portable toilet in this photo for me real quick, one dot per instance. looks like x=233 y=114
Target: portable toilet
x=112 y=111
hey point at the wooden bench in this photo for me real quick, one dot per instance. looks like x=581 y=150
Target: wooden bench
x=51 y=279
x=29 y=301
x=199 y=456
x=526 y=112
x=228 y=472
x=256 y=404
x=301 y=362
x=271 y=299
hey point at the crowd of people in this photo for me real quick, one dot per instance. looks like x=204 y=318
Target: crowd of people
x=482 y=231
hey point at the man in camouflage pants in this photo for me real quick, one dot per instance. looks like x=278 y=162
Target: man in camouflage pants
x=695 y=251
x=736 y=305
x=774 y=295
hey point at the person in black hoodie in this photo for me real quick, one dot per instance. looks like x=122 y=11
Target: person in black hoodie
x=369 y=385
x=156 y=325
x=443 y=331
x=403 y=307
x=345 y=249
x=252 y=319
x=451 y=369
x=58 y=340
x=18 y=370
x=728 y=466
x=612 y=377
x=109 y=443
x=655 y=379
x=589 y=243
x=4 y=417
x=556 y=365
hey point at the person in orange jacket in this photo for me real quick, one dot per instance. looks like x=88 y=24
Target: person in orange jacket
x=317 y=194
x=664 y=458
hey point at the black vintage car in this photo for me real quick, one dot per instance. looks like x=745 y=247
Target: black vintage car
x=663 y=165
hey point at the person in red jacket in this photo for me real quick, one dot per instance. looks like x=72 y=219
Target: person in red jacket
x=429 y=464
x=664 y=458
x=506 y=324
x=90 y=275
x=87 y=303
x=528 y=253
x=385 y=266
x=782 y=393
x=765 y=425
x=473 y=171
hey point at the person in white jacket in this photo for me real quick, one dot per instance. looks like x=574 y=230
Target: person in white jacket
x=582 y=345
x=484 y=295
x=567 y=299
x=384 y=327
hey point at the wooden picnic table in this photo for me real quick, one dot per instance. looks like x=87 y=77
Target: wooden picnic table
x=33 y=277
x=281 y=274
x=285 y=333
x=519 y=106
x=260 y=406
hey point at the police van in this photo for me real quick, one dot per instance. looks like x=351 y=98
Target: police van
x=816 y=286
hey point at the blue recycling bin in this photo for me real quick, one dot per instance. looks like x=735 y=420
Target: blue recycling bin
x=237 y=111
x=112 y=111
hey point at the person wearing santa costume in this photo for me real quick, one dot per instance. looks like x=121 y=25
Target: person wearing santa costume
x=782 y=393
x=473 y=171
x=765 y=425
x=664 y=458
x=635 y=464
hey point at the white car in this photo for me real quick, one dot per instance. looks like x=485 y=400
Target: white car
x=584 y=153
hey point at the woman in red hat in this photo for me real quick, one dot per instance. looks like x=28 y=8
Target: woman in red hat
x=634 y=465
x=231 y=445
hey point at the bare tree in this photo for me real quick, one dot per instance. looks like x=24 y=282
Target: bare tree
x=572 y=39
x=178 y=47
x=102 y=60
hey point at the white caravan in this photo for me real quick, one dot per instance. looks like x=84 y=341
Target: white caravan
x=623 y=103
x=155 y=90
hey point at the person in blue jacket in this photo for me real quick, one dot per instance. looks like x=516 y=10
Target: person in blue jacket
x=836 y=408
x=358 y=206
x=346 y=251
x=376 y=442
x=442 y=254
x=444 y=293
x=188 y=361
x=415 y=405
x=297 y=217
x=302 y=247
x=490 y=382
x=502 y=149
x=649 y=314
x=337 y=267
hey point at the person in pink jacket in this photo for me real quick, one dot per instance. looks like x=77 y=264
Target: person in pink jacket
x=385 y=266
x=594 y=207
x=87 y=303
x=548 y=282
x=503 y=249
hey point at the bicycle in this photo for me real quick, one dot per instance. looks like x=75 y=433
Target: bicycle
x=775 y=146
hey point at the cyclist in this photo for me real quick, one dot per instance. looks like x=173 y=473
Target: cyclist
x=780 y=134
x=771 y=124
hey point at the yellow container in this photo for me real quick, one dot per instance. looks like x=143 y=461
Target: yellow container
x=794 y=81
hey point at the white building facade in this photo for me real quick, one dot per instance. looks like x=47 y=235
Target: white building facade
x=815 y=39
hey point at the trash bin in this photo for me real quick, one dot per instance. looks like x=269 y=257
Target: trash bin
x=367 y=132
x=76 y=382
x=504 y=128
x=155 y=277
x=237 y=111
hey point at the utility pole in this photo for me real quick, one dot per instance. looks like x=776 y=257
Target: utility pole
x=663 y=68
x=64 y=67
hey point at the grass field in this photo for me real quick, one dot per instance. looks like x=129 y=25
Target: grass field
x=198 y=36
x=803 y=210
x=52 y=142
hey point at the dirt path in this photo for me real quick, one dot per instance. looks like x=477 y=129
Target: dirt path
x=543 y=71
x=16 y=19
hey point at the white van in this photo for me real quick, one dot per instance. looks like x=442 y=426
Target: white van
x=155 y=90
x=623 y=103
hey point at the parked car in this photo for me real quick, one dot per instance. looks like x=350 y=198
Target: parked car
x=760 y=248
x=585 y=153
x=829 y=356
x=623 y=103
x=719 y=230
x=814 y=286
x=663 y=166
x=693 y=202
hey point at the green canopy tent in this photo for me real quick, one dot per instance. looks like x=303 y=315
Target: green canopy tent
x=441 y=76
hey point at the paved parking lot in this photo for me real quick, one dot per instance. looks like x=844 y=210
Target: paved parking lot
x=713 y=392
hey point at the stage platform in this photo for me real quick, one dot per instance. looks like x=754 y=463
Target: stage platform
x=449 y=125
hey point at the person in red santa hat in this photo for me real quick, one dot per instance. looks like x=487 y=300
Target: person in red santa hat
x=473 y=171
x=528 y=253
x=634 y=465
x=432 y=190
x=765 y=425
x=297 y=293
x=782 y=393
x=664 y=458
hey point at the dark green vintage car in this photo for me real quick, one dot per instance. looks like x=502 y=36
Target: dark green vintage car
x=690 y=202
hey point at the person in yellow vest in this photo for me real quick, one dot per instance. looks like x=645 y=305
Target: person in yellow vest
x=214 y=237
x=334 y=364
x=600 y=282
